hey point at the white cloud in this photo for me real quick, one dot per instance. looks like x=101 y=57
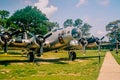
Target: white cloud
x=81 y=2
x=104 y=2
x=43 y=6
x=101 y=2
x=27 y=2
x=100 y=32
x=86 y=18
x=97 y=29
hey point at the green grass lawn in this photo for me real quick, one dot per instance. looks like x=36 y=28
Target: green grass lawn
x=116 y=56
x=52 y=66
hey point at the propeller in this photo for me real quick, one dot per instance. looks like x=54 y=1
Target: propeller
x=6 y=38
x=40 y=40
x=84 y=43
x=98 y=41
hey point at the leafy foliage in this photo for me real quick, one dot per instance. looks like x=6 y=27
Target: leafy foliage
x=29 y=18
x=85 y=27
x=78 y=22
x=3 y=17
x=68 y=22
x=113 y=29
x=2 y=22
x=4 y=14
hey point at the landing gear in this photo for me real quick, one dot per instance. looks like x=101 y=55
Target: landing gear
x=72 y=55
x=31 y=57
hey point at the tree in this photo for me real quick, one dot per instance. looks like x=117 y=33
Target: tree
x=85 y=30
x=51 y=25
x=4 y=14
x=30 y=18
x=68 y=22
x=113 y=29
x=56 y=24
x=2 y=22
x=78 y=23
x=3 y=17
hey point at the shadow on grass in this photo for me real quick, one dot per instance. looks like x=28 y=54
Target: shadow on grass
x=55 y=61
x=8 y=62
x=88 y=57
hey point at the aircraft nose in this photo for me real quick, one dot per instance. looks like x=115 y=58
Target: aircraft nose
x=40 y=39
x=76 y=33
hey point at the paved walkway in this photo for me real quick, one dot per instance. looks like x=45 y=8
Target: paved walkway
x=110 y=69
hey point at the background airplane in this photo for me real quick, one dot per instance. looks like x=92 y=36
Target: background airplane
x=91 y=42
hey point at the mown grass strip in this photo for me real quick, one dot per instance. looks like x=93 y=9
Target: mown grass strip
x=83 y=68
x=116 y=56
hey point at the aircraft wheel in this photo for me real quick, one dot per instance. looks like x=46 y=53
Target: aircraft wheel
x=72 y=56
x=30 y=57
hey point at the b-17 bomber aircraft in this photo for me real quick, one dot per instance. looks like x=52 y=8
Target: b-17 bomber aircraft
x=34 y=44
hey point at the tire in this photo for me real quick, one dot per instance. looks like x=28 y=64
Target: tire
x=72 y=56
x=31 y=57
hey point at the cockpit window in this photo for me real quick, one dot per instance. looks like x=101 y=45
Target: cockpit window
x=76 y=33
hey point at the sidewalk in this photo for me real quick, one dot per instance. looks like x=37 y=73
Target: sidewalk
x=110 y=69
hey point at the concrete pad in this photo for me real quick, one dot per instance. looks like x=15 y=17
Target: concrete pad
x=110 y=69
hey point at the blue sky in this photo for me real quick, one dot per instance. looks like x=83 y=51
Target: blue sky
x=97 y=13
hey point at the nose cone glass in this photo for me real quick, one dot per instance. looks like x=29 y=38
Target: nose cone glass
x=76 y=33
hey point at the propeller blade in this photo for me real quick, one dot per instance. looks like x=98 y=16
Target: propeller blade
x=99 y=43
x=40 y=40
x=84 y=49
x=1 y=34
x=84 y=43
x=5 y=38
x=40 y=51
x=5 y=46
x=102 y=38
x=16 y=32
x=99 y=47
x=48 y=35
